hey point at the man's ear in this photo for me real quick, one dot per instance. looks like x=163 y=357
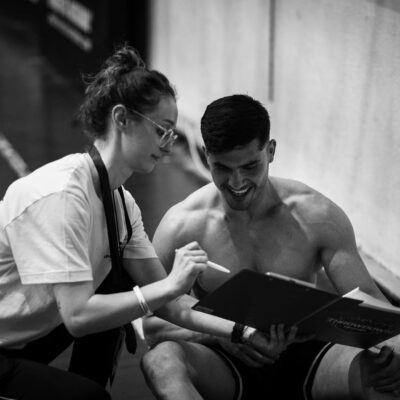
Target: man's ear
x=271 y=148
x=118 y=116
x=206 y=153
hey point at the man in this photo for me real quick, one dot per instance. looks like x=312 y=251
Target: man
x=248 y=219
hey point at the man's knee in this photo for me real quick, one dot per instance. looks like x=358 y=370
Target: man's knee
x=163 y=361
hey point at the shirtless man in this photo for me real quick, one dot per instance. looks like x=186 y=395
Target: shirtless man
x=248 y=219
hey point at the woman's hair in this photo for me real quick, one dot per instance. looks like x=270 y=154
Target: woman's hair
x=234 y=121
x=122 y=79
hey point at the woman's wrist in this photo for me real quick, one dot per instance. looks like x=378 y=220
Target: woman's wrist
x=172 y=291
x=142 y=302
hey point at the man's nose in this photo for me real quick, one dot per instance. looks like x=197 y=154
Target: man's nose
x=236 y=180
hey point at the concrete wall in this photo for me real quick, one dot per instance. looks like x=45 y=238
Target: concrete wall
x=329 y=73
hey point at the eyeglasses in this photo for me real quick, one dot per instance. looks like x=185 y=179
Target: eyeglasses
x=167 y=136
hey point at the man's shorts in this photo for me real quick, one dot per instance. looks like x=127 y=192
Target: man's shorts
x=290 y=377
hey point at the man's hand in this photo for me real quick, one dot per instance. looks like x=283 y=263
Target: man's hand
x=262 y=349
x=384 y=375
x=245 y=353
x=275 y=343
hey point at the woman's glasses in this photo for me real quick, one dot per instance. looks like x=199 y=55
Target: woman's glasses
x=167 y=136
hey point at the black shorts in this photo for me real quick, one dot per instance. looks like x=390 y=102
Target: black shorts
x=291 y=377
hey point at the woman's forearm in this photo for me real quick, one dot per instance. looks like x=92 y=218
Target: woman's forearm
x=180 y=312
x=157 y=329
x=100 y=312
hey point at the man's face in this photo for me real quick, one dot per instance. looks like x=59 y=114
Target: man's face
x=240 y=174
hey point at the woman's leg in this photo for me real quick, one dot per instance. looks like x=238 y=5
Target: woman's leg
x=31 y=381
x=96 y=356
x=47 y=348
x=93 y=356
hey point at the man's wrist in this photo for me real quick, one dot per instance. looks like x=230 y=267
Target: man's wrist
x=242 y=333
x=248 y=334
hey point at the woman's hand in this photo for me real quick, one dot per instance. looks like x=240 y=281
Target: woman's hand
x=189 y=261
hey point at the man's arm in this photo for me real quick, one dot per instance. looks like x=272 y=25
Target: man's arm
x=340 y=257
x=346 y=270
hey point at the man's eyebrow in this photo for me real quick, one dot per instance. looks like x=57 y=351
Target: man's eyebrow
x=247 y=164
x=250 y=163
x=218 y=164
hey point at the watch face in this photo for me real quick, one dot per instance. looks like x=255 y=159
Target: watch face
x=237 y=333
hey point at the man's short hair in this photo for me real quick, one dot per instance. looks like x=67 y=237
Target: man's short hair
x=234 y=121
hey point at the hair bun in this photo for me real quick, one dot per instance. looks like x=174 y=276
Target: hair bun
x=125 y=59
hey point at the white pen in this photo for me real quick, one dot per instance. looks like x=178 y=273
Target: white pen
x=218 y=267
x=214 y=265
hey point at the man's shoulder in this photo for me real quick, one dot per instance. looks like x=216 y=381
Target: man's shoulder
x=193 y=211
x=198 y=202
x=291 y=190
x=304 y=200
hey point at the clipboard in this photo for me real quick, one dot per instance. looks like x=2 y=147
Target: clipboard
x=261 y=300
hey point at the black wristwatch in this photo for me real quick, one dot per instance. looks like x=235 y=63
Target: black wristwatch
x=242 y=333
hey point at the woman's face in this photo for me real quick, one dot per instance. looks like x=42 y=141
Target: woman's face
x=142 y=144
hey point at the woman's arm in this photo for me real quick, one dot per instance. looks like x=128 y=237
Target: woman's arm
x=85 y=312
x=157 y=330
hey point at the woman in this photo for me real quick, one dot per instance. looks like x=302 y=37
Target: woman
x=55 y=245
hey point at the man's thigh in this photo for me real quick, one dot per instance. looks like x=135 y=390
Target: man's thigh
x=31 y=381
x=331 y=380
x=342 y=375
x=214 y=376
x=209 y=372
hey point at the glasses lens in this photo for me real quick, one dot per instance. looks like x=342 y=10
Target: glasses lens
x=168 y=138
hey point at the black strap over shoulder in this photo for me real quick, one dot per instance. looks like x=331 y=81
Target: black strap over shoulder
x=116 y=251
x=127 y=221
x=117 y=280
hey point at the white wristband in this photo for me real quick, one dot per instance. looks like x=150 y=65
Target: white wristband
x=142 y=301
x=248 y=334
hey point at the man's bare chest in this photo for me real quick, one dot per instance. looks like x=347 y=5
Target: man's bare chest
x=288 y=249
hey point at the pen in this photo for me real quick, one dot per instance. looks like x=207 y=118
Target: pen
x=218 y=267
x=215 y=266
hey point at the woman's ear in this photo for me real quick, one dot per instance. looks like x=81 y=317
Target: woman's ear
x=118 y=116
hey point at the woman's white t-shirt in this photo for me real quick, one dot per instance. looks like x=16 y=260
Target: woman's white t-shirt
x=53 y=230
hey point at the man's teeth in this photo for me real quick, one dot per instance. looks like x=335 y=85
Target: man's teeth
x=239 y=192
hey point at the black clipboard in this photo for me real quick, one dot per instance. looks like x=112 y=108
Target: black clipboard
x=260 y=300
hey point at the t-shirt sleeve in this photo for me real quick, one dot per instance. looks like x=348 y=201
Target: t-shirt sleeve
x=139 y=246
x=49 y=240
